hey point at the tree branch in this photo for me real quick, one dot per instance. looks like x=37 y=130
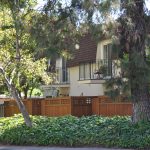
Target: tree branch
x=13 y=75
x=2 y=71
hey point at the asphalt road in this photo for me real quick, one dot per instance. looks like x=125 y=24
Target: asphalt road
x=52 y=148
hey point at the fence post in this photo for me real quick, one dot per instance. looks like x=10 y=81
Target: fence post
x=43 y=107
x=29 y=106
x=1 y=110
x=70 y=105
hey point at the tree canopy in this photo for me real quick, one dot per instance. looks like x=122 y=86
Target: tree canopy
x=18 y=66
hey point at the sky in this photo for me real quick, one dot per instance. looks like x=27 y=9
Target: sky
x=42 y=2
x=148 y=4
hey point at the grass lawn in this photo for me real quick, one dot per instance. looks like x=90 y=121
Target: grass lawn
x=73 y=131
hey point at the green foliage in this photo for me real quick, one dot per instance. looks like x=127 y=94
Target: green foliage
x=29 y=72
x=73 y=131
x=35 y=92
x=119 y=85
x=55 y=29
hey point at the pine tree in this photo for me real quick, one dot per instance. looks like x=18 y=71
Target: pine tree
x=134 y=29
x=131 y=29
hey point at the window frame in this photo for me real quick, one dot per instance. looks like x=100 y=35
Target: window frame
x=84 y=73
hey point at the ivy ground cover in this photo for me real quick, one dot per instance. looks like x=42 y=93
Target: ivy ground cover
x=72 y=131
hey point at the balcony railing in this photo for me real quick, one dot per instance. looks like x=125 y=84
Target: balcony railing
x=101 y=69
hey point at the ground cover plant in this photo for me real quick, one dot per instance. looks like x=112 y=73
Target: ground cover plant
x=72 y=131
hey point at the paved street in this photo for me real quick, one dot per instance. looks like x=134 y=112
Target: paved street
x=51 y=148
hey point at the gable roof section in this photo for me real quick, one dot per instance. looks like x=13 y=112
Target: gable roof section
x=86 y=52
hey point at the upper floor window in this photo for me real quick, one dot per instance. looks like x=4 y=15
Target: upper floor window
x=85 y=71
x=110 y=52
x=107 y=51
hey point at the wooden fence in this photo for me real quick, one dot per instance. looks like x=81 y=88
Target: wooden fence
x=46 y=107
x=36 y=106
x=105 y=107
x=81 y=105
x=76 y=106
x=11 y=108
x=56 y=107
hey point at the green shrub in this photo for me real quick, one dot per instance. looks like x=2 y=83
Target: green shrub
x=73 y=131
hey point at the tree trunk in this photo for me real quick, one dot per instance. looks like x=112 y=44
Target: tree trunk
x=31 y=91
x=21 y=106
x=141 y=111
x=15 y=13
x=25 y=91
x=135 y=39
x=19 y=93
x=15 y=95
x=141 y=108
x=140 y=95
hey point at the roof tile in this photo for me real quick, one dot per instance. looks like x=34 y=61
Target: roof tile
x=86 y=52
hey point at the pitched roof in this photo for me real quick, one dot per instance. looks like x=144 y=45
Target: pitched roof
x=86 y=52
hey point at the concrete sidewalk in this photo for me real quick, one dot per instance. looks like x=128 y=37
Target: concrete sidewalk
x=53 y=148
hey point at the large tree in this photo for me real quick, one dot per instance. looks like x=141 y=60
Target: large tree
x=133 y=33
x=130 y=31
x=8 y=57
x=18 y=65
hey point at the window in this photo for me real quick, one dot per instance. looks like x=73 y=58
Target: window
x=81 y=72
x=107 y=51
x=85 y=71
x=107 y=54
x=58 y=74
x=65 y=74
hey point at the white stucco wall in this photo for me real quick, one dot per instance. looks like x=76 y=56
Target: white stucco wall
x=77 y=89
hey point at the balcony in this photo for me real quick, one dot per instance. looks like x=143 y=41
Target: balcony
x=60 y=84
x=61 y=78
x=97 y=72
